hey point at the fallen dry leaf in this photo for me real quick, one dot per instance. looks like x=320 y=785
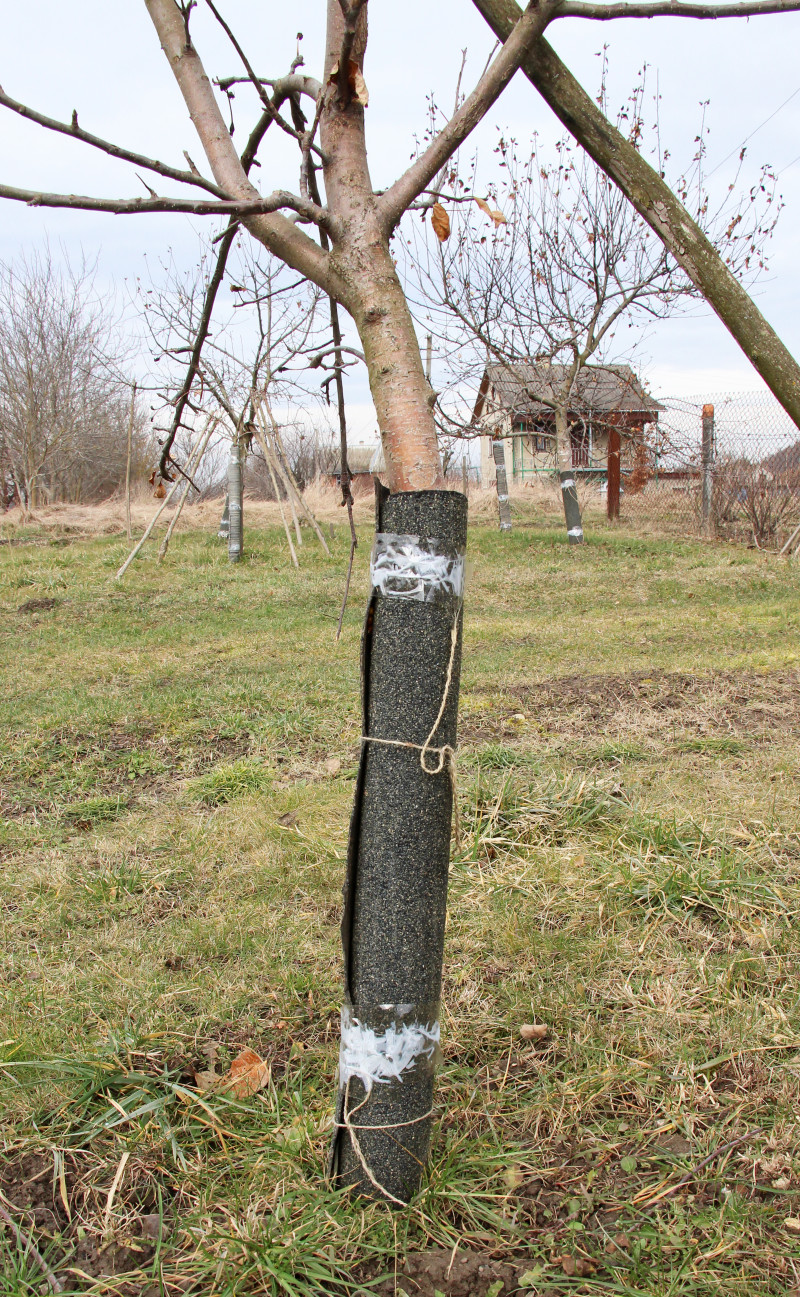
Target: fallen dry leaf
x=440 y=222
x=568 y=1264
x=333 y=766
x=533 y=1031
x=288 y=820
x=248 y=1074
x=792 y=1223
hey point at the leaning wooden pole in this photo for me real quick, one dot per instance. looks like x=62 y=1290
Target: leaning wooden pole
x=131 y=417
x=194 y=458
x=657 y=205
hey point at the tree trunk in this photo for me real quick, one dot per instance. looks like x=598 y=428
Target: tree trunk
x=566 y=474
x=235 y=500
x=658 y=206
x=398 y=856
x=501 y=482
x=612 y=496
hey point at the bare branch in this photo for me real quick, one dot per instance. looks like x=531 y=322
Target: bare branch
x=280 y=235
x=240 y=207
x=294 y=83
x=269 y=104
x=191 y=177
x=673 y=9
x=530 y=26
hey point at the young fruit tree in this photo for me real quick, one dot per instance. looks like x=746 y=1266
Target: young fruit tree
x=395 y=897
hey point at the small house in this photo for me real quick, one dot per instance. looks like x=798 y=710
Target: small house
x=515 y=402
x=364 y=462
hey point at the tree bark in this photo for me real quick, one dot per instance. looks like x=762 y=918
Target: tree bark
x=566 y=476
x=612 y=493
x=658 y=206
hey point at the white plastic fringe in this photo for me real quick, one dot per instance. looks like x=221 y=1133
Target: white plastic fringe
x=402 y=568
x=575 y=531
x=567 y=483
x=383 y=1056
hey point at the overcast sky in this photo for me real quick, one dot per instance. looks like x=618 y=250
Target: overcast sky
x=103 y=59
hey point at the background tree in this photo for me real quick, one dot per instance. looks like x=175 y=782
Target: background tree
x=64 y=400
x=561 y=262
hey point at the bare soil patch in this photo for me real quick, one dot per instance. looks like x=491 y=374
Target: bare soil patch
x=657 y=704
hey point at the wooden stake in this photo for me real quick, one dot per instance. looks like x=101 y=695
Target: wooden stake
x=128 y=466
x=160 y=510
x=183 y=499
x=262 y=441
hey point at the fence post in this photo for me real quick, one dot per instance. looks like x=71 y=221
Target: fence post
x=504 y=508
x=707 y=461
x=612 y=494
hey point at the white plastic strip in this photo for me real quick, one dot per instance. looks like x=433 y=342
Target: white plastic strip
x=575 y=531
x=403 y=568
x=567 y=483
x=383 y=1056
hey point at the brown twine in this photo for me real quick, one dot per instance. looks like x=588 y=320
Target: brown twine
x=446 y=755
x=351 y=1130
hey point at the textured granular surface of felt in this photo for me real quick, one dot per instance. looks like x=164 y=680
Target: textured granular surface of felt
x=396 y=891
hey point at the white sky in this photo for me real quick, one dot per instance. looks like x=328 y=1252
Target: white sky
x=103 y=59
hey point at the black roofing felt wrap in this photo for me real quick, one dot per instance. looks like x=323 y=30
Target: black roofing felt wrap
x=396 y=885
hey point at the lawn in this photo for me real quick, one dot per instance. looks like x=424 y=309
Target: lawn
x=177 y=762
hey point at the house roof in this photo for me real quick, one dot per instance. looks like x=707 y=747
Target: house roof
x=784 y=461
x=359 y=460
x=527 y=390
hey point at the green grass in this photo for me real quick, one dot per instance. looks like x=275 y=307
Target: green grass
x=177 y=763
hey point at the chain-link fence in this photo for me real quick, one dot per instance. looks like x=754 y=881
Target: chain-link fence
x=727 y=466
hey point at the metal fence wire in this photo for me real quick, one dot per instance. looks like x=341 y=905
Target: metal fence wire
x=725 y=466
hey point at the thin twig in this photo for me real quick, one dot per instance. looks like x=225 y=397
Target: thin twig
x=24 y=1241
x=106 y=146
x=693 y=1174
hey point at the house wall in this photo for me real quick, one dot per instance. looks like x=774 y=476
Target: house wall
x=524 y=464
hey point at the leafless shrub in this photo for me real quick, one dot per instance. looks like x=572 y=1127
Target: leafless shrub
x=64 y=404
x=747 y=496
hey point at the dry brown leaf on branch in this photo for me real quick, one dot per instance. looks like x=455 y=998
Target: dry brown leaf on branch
x=497 y=217
x=355 y=80
x=440 y=222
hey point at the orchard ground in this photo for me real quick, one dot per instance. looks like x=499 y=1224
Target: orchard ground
x=178 y=758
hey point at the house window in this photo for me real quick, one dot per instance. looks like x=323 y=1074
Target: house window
x=538 y=438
